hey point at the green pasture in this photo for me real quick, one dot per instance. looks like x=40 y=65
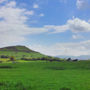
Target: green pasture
x=42 y=75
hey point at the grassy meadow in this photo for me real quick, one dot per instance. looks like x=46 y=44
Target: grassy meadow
x=45 y=75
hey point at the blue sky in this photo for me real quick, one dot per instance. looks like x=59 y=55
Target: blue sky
x=52 y=27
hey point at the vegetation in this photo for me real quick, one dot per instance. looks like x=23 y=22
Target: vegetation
x=18 y=52
x=44 y=75
x=12 y=58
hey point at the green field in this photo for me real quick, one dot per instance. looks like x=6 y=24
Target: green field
x=42 y=75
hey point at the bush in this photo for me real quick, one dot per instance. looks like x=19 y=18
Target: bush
x=65 y=88
x=69 y=59
x=3 y=56
x=3 y=67
x=48 y=58
x=1 y=61
x=12 y=58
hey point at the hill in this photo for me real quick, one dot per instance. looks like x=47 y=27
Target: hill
x=22 y=53
x=19 y=52
x=16 y=49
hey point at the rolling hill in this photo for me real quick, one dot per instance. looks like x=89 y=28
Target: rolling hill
x=19 y=52
x=23 y=53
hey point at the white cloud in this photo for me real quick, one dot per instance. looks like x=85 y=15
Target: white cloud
x=13 y=27
x=56 y=29
x=11 y=4
x=1 y=1
x=80 y=4
x=35 y=6
x=41 y=15
x=29 y=12
x=78 y=25
x=76 y=36
x=89 y=21
x=69 y=49
x=75 y=25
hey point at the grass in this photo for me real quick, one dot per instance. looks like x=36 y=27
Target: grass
x=19 y=52
x=45 y=76
x=19 y=55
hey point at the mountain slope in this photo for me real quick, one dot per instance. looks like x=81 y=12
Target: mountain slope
x=19 y=52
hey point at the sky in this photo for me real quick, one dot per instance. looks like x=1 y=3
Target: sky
x=51 y=27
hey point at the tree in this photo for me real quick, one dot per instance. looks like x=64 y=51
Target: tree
x=69 y=59
x=12 y=58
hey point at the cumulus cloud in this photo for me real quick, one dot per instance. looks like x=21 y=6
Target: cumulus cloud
x=78 y=25
x=68 y=49
x=75 y=25
x=13 y=27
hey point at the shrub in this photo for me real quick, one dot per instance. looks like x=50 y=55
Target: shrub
x=69 y=59
x=3 y=67
x=3 y=56
x=12 y=58
x=65 y=88
x=0 y=61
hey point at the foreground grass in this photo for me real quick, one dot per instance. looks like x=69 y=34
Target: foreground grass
x=45 y=76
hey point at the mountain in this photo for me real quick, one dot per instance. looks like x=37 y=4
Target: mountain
x=82 y=57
